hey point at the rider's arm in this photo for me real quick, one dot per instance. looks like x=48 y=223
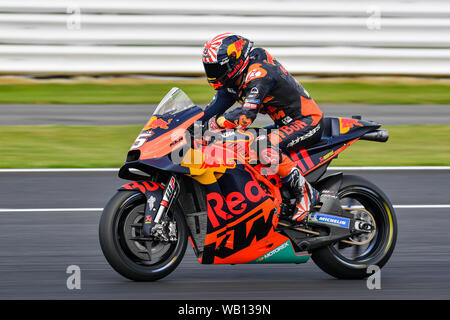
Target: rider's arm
x=219 y=104
x=256 y=90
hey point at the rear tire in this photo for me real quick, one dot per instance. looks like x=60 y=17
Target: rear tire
x=379 y=250
x=125 y=255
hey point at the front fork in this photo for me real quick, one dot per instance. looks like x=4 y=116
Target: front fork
x=162 y=229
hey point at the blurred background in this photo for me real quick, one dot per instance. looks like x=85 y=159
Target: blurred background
x=322 y=37
x=98 y=62
x=79 y=79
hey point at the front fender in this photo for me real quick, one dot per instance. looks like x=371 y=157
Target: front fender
x=153 y=192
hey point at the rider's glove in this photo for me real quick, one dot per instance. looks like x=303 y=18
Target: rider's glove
x=224 y=123
x=213 y=125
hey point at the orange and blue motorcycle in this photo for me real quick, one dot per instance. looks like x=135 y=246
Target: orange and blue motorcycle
x=231 y=210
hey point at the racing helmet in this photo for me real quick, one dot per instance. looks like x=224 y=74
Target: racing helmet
x=225 y=57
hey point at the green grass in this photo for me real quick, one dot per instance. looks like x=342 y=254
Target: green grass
x=106 y=146
x=65 y=146
x=201 y=93
x=412 y=145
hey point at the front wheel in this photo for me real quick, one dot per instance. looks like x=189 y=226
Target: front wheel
x=120 y=230
x=350 y=259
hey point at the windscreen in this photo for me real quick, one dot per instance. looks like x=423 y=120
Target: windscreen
x=174 y=101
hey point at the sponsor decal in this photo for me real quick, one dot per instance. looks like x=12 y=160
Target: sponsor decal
x=286 y=120
x=274 y=251
x=329 y=220
x=305 y=136
x=254 y=92
x=225 y=60
x=255 y=72
x=276 y=115
x=143 y=186
x=284 y=253
x=156 y=122
x=151 y=203
x=176 y=141
x=250 y=105
x=236 y=48
x=294 y=126
x=235 y=203
x=236 y=69
x=227 y=133
x=148 y=219
x=346 y=124
x=327 y=156
x=257 y=101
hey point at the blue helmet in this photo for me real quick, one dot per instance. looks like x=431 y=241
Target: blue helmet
x=225 y=57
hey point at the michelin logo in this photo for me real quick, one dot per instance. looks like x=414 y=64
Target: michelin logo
x=330 y=220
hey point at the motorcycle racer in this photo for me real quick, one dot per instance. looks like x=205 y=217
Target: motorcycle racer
x=251 y=76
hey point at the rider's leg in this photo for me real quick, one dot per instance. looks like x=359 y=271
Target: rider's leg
x=279 y=143
x=301 y=134
x=305 y=195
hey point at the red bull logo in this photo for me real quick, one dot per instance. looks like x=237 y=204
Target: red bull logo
x=236 y=48
x=156 y=122
x=346 y=124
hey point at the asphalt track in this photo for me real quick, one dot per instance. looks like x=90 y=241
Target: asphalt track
x=29 y=114
x=37 y=247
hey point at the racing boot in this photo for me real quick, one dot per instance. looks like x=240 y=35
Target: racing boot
x=306 y=197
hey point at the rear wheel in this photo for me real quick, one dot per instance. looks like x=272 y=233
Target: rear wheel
x=120 y=230
x=350 y=259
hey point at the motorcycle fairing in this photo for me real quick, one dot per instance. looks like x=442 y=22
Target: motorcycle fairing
x=159 y=125
x=207 y=162
x=167 y=134
x=283 y=253
x=236 y=193
x=338 y=135
x=242 y=218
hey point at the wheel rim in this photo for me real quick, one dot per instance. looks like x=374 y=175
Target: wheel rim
x=374 y=250
x=131 y=214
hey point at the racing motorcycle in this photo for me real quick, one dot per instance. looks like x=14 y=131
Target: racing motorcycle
x=233 y=211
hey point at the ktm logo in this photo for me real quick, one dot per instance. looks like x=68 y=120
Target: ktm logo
x=277 y=115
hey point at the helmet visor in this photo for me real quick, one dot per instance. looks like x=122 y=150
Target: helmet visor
x=215 y=71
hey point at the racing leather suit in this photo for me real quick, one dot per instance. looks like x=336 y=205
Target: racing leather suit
x=268 y=88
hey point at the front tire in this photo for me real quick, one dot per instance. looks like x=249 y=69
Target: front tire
x=332 y=259
x=132 y=259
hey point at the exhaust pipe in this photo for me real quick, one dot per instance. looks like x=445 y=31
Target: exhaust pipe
x=379 y=135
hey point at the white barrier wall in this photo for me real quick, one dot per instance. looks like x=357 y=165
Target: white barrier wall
x=347 y=37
